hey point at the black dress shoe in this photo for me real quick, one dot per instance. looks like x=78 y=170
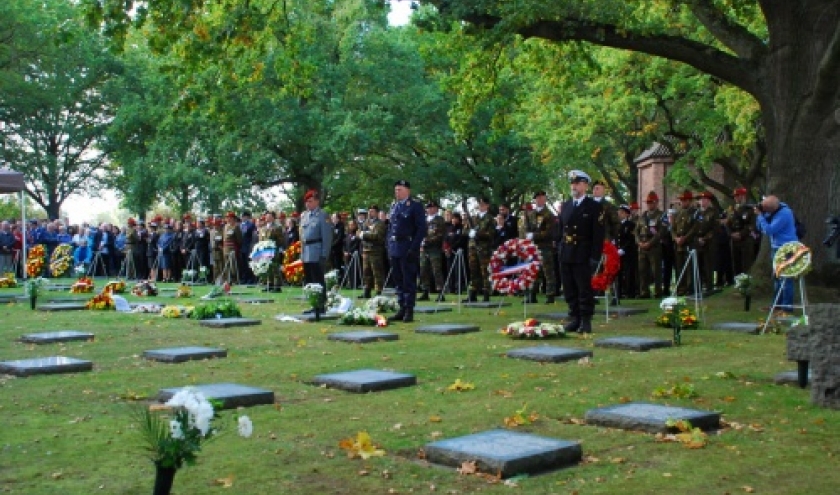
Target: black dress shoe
x=398 y=317
x=572 y=326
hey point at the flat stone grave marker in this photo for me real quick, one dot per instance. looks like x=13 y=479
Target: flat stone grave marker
x=622 y=311
x=231 y=395
x=431 y=309
x=62 y=307
x=15 y=299
x=447 y=329
x=363 y=336
x=255 y=300
x=789 y=378
x=750 y=328
x=505 y=452
x=366 y=380
x=182 y=354
x=61 y=300
x=45 y=366
x=52 y=337
x=549 y=354
x=552 y=316
x=167 y=289
x=59 y=287
x=485 y=305
x=651 y=418
x=229 y=322
x=389 y=292
x=633 y=343
x=311 y=317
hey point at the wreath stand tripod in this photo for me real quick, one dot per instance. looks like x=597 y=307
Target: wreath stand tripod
x=97 y=262
x=194 y=264
x=803 y=299
x=230 y=267
x=697 y=284
x=457 y=268
x=127 y=267
x=354 y=267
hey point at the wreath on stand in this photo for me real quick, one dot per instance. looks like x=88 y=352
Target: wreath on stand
x=792 y=260
x=517 y=278
x=602 y=280
x=292 y=264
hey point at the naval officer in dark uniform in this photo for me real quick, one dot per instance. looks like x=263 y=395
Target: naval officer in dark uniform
x=405 y=235
x=581 y=244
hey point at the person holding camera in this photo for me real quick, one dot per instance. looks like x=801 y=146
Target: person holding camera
x=776 y=220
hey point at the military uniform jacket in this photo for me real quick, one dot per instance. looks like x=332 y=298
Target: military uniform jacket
x=188 y=241
x=407 y=228
x=231 y=238
x=315 y=236
x=582 y=231
x=506 y=232
x=707 y=221
x=152 y=244
x=484 y=231
x=435 y=233
x=650 y=228
x=201 y=238
x=741 y=219
x=611 y=219
x=131 y=239
x=455 y=238
x=374 y=239
x=626 y=238
x=541 y=224
x=685 y=225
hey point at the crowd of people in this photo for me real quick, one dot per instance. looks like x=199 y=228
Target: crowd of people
x=657 y=247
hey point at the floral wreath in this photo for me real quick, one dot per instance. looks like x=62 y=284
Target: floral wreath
x=262 y=257
x=60 y=260
x=35 y=260
x=506 y=279
x=792 y=260
x=612 y=263
x=292 y=265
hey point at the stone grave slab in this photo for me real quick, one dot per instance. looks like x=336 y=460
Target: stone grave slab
x=505 y=452
x=363 y=336
x=431 y=309
x=549 y=354
x=750 y=328
x=311 y=317
x=62 y=307
x=231 y=395
x=182 y=354
x=61 y=300
x=552 y=316
x=255 y=300
x=789 y=378
x=650 y=417
x=13 y=299
x=366 y=380
x=53 y=337
x=486 y=305
x=59 y=287
x=45 y=366
x=388 y=291
x=229 y=322
x=447 y=329
x=622 y=311
x=640 y=344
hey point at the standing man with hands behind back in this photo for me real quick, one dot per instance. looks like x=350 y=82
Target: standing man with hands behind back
x=406 y=232
x=316 y=243
x=581 y=245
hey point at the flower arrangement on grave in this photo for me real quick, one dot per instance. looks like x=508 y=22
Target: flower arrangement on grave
x=184 y=291
x=84 y=285
x=188 y=275
x=101 y=302
x=362 y=316
x=673 y=306
x=147 y=308
x=35 y=261
x=792 y=260
x=174 y=433
x=313 y=294
x=8 y=281
x=744 y=284
x=292 y=264
x=517 y=278
x=202 y=271
x=224 y=308
x=144 y=288
x=61 y=259
x=610 y=267
x=533 y=329
x=382 y=304
x=79 y=271
x=331 y=279
x=33 y=289
x=177 y=311
x=115 y=287
x=262 y=258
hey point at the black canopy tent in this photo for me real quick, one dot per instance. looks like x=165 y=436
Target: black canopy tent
x=12 y=182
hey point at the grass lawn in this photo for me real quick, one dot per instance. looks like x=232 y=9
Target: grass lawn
x=74 y=433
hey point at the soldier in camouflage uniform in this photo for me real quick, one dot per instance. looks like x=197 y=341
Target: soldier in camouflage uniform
x=231 y=241
x=373 y=234
x=482 y=230
x=431 y=253
x=539 y=225
x=132 y=249
x=611 y=221
x=741 y=224
x=684 y=232
x=707 y=217
x=271 y=231
x=649 y=231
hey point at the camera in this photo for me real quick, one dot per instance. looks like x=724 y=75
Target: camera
x=756 y=206
x=834 y=222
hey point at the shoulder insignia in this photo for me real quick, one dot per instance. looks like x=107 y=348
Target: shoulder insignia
x=601 y=217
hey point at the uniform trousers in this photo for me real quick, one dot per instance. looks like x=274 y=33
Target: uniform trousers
x=577 y=289
x=404 y=273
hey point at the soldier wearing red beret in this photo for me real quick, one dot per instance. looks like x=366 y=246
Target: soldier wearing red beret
x=740 y=221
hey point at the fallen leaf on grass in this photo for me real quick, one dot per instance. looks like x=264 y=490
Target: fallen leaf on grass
x=362 y=446
x=748 y=489
x=460 y=386
x=468 y=467
x=435 y=419
x=224 y=482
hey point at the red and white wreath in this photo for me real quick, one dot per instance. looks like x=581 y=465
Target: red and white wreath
x=519 y=277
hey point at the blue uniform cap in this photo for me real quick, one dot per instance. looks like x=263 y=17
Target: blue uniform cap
x=402 y=182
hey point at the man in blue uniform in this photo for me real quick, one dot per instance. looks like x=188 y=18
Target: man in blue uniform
x=581 y=244
x=405 y=235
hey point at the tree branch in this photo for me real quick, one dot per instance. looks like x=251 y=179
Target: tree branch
x=737 y=38
x=827 y=73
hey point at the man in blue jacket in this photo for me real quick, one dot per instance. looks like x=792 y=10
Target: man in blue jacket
x=405 y=235
x=775 y=219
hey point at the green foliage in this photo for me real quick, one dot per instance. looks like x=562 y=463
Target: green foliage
x=677 y=390
x=224 y=308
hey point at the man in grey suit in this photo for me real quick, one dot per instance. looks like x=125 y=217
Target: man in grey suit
x=316 y=242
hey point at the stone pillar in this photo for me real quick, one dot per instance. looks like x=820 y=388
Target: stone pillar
x=824 y=344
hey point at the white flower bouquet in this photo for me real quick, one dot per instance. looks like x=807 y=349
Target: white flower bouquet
x=533 y=329
x=382 y=304
x=313 y=293
x=362 y=316
x=331 y=279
